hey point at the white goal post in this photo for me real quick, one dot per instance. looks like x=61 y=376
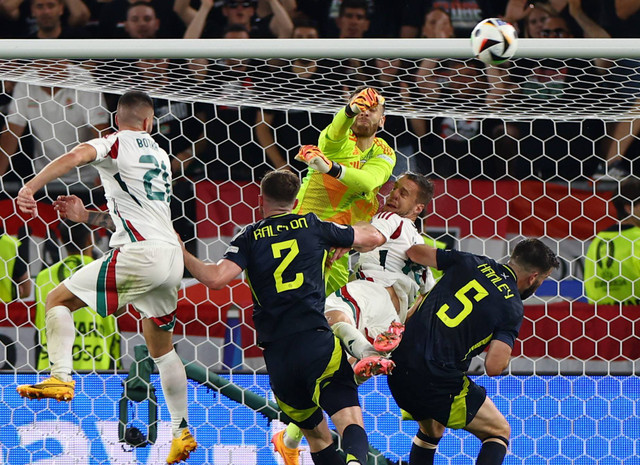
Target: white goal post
x=511 y=156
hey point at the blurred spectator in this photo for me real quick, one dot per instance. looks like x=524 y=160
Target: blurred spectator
x=58 y=119
x=48 y=19
x=563 y=151
x=142 y=21
x=97 y=342
x=612 y=265
x=528 y=17
x=353 y=19
x=114 y=15
x=207 y=22
x=281 y=133
x=14 y=274
x=465 y=14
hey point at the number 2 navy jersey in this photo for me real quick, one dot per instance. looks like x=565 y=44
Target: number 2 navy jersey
x=283 y=257
x=475 y=301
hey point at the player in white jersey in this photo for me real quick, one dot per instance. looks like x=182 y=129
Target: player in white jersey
x=368 y=313
x=144 y=268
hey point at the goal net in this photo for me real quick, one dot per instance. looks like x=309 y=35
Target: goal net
x=514 y=151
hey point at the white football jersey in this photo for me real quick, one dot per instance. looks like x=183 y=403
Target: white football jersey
x=389 y=265
x=136 y=175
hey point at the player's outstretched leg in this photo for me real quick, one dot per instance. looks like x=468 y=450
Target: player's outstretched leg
x=60 y=335
x=372 y=366
x=290 y=455
x=388 y=340
x=181 y=447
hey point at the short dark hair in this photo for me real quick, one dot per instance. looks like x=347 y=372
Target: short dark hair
x=141 y=3
x=302 y=20
x=534 y=255
x=135 y=98
x=628 y=193
x=280 y=186
x=356 y=4
x=425 y=186
x=74 y=236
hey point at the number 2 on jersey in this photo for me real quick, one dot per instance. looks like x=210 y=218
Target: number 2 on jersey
x=277 y=249
x=159 y=170
x=467 y=304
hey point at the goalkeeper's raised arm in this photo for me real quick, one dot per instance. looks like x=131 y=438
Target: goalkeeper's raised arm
x=347 y=168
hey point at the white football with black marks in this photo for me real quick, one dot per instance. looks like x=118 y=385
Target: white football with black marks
x=494 y=41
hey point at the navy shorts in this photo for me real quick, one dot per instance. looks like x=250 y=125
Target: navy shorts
x=434 y=392
x=309 y=371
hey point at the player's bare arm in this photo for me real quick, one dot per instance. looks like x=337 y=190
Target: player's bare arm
x=78 y=156
x=423 y=254
x=366 y=237
x=497 y=359
x=71 y=207
x=212 y=275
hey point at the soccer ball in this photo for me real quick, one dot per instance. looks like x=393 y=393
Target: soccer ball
x=494 y=41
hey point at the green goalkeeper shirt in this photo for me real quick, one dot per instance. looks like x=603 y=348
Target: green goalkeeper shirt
x=354 y=197
x=612 y=266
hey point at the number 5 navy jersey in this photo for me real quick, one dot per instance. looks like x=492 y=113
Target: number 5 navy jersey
x=284 y=257
x=475 y=301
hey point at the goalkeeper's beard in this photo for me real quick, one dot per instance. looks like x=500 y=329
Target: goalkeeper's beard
x=364 y=129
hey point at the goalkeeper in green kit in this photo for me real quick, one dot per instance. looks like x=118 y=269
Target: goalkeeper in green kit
x=346 y=170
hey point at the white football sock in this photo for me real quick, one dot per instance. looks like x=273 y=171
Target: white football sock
x=61 y=333
x=174 y=387
x=354 y=341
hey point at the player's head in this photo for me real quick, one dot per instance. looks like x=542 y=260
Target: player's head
x=135 y=111
x=410 y=194
x=75 y=237
x=367 y=123
x=141 y=22
x=627 y=202
x=533 y=262
x=278 y=191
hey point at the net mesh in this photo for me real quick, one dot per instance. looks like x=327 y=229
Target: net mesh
x=512 y=150
x=526 y=88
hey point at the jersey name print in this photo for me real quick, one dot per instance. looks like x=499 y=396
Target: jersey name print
x=284 y=258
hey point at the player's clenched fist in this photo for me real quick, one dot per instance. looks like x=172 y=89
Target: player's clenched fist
x=366 y=99
x=313 y=156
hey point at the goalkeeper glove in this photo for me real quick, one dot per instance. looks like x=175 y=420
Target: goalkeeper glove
x=365 y=100
x=314 y=158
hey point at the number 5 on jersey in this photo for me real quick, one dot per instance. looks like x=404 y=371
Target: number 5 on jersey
x=467 y=304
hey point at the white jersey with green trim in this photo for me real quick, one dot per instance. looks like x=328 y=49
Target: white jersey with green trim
x=136 y=175
x=389 y=265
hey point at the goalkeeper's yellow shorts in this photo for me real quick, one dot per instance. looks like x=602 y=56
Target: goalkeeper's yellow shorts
x=338 y=275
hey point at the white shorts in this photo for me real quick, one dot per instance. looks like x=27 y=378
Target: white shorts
x=145 y=274
x=367 y=304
